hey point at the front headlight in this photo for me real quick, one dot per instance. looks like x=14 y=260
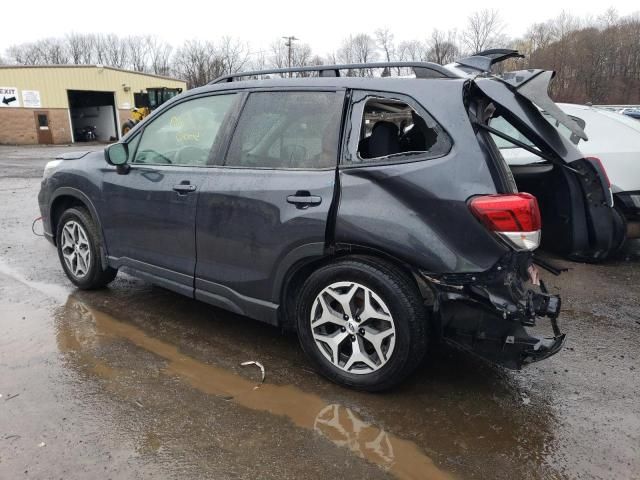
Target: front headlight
x=50 y=167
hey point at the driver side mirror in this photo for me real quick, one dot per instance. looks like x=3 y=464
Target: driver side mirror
x=117 y=155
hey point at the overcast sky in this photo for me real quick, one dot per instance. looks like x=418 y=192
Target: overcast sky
x=322 y=23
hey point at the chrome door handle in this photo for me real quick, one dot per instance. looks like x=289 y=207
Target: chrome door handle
x=184 y=188
x=304 y=201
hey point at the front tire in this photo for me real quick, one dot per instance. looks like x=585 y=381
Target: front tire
x=362 y=323
x=78 y=245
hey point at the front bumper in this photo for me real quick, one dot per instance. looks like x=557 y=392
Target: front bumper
x=493 y=315
x=43 y=203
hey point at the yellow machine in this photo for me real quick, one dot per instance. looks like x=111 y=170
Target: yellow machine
x=146 y=102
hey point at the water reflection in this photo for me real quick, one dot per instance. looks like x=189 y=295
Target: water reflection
x=83 y=333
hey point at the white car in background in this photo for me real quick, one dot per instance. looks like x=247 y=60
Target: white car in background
x=613 y=138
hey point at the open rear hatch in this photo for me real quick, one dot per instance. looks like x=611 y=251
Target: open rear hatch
x=573 y=192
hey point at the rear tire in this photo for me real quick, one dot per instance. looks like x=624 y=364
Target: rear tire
x=362 y=323
x=79 y=246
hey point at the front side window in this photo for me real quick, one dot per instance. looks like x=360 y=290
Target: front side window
x=184 y=134
x=288 y=130
x=391 y=128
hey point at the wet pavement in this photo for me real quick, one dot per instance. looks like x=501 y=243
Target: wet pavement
x=134 y=381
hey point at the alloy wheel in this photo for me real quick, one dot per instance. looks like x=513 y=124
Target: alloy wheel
x=76 y=250
x=353 y=327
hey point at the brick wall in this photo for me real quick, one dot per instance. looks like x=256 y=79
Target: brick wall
x=18 y=125
x=59 y=125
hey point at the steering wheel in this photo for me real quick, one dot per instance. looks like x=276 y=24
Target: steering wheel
x=295 y=154
x=191 y=155
x=155 y=154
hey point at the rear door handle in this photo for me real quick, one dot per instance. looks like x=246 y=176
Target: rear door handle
x=304 y=200
x=184 y=188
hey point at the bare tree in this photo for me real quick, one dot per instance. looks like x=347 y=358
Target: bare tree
x=360 y=48
x=332 y=58
x=89 y=47
x=259 y=61
x=443 y=47
x=234 y=54
x=115 y=51
x=279 y=57
x=56 y=51
x=76 y=43
x=301 y=54
x=484 y=29
x=595 y=58
x=47 y=51
x=316 y=60
x=138 y=52
x=198 y=63
x=159 y=56
x=412 y=51
x=385 y=41
x=99 y=47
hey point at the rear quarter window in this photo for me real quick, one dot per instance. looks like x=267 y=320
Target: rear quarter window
x=388 y=129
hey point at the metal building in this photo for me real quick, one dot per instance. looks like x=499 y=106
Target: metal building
x=51 y=103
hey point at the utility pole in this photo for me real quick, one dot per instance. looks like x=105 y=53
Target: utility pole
x=289 y=44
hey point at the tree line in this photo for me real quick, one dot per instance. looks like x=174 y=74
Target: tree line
x=596 y=59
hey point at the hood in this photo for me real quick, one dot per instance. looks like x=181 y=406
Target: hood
x=73 y=155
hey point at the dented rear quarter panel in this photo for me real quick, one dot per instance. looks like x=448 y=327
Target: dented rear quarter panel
x=417 y=210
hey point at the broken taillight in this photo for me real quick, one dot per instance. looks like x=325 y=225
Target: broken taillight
x=515 y=217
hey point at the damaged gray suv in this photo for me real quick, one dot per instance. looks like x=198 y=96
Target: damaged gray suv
x=370 y=215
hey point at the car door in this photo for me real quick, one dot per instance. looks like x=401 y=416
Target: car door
x=267 y=205
x=149 y=213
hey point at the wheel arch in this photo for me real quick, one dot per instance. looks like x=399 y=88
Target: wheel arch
x=294 y=277
x=67 y=197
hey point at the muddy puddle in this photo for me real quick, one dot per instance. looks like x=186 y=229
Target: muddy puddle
x=82 y=331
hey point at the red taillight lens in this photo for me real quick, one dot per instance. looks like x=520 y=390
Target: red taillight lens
x=516 y=212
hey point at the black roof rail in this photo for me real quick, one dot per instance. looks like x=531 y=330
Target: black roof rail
x=421 y=70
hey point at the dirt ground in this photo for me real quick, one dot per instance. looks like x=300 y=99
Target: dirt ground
x=134 y=381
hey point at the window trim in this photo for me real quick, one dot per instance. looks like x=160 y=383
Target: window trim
x=215 y=147
x=356 y=117
x=242 y=107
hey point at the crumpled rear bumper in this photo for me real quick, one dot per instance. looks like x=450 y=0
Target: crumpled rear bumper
x=494 y=316
x=480 y=330
x=545 y=348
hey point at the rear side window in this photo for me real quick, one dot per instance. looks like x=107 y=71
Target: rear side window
x=393 y=129
x=288 y=130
